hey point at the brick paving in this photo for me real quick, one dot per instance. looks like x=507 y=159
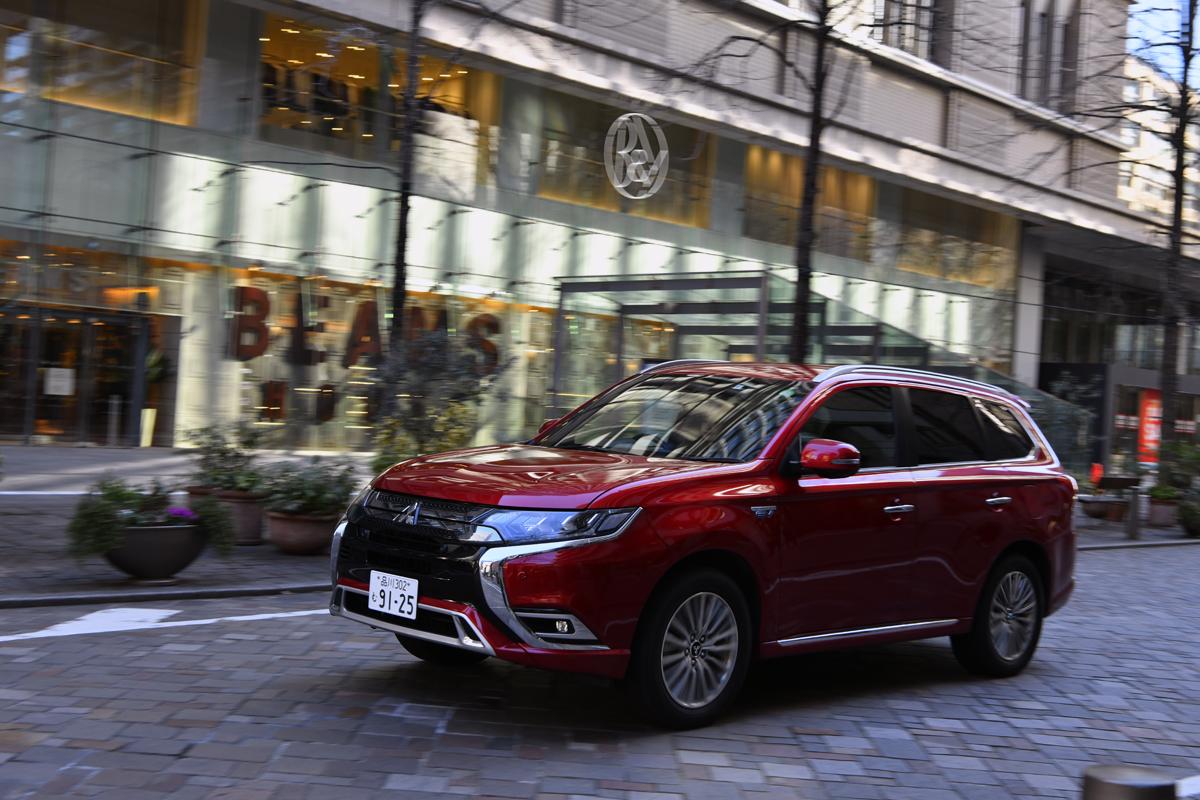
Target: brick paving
x=317 y=707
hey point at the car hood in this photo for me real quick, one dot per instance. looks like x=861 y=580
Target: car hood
x=526 y=476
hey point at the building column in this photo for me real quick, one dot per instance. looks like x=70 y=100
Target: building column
x=1027 y=313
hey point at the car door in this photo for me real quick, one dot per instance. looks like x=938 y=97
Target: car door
x=965 y=494
x=845 y=542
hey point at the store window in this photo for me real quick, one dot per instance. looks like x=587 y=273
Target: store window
x=945 y=238
x=340 y=88
x=572 y=163
x=133 y=57
x=845 y=203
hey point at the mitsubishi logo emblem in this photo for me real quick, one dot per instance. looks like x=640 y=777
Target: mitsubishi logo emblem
x=411 y=514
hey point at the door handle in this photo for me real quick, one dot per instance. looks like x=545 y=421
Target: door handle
x=900 y=509
x=998 y=501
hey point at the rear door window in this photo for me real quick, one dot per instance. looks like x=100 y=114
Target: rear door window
x=945 y=430
x=1003 y=434
x=863 y=417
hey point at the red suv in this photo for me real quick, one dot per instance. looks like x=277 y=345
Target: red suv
x=701 y=514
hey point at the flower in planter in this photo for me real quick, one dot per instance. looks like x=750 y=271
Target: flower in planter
x=316 y=489
x=183 y=514
x=113 y=506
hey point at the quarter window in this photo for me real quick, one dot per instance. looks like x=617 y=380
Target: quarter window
x=862 y=417
x=1003 y=434
x=945 y=428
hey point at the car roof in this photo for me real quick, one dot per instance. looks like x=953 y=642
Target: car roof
x=820 y=373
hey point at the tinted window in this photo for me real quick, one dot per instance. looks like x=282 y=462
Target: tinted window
x=1003 y=433
x=861 y=417
x=945 y=428
x=702 y=417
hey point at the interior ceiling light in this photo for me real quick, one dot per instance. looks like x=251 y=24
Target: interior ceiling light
x=359 y=77
x=325 y=55
x=264 y=38
x=355 y=47
x=444 y=75
x=289 y=30
x=462 y=72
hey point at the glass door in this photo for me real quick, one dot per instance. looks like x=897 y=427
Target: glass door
x=56 y=402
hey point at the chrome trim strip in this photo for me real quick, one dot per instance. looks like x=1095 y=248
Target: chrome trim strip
x=850 y=634
x=845 y=369
x=469 y=637
x=491 y=580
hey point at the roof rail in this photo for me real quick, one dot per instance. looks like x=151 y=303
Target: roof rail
x=678 y=361
x=845 y=369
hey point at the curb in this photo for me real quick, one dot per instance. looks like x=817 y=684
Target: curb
x=166 y=593
x=1127 y=545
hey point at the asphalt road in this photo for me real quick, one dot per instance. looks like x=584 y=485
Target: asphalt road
x=186 y=699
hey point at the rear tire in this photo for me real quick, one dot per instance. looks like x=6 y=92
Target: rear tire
x=692 y=650
x=1008 y=621
x=440 y=654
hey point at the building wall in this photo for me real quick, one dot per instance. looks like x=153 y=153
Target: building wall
x=918 y=218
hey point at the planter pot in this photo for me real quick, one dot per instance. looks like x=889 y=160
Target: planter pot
x=247 y=512
x=1117 y=510
x=1094 y=507
x=301 y=535
x=1163 y=513
x=197 y=491
x=1189 y=518
x=157 y=553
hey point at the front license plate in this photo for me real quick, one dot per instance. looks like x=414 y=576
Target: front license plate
x=393 y=594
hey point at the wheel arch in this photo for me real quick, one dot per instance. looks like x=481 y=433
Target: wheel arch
x=1037 y=556
x=730 y=564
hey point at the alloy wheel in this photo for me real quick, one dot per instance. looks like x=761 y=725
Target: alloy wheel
x=699 y=650
x=1012 y=618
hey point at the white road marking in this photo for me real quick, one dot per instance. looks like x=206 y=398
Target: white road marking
x=114 y=620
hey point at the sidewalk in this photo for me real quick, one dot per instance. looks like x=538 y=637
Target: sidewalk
x=36 y=570
x=73 y=469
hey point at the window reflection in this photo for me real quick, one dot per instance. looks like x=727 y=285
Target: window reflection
x=133 y=57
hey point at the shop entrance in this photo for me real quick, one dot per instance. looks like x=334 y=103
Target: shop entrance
x=70 y=375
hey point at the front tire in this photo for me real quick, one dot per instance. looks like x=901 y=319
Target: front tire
x=692 y=650
x=1008 y=621
x=440 y=654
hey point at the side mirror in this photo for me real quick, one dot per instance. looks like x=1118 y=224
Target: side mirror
x=830 y=459
x=547 y=425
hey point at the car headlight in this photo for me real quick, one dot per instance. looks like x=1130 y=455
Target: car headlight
x=519 y=526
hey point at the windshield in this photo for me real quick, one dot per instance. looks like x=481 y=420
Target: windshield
x=695 y=417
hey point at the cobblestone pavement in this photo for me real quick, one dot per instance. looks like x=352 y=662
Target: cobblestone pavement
x=314 y=707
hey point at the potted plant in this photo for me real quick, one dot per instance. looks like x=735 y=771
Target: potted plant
x=1164 y=506
x=141 y=534
x=1189 y=514
x=225 y=467
x=305 y=502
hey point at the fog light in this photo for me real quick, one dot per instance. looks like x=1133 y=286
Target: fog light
x=562 y=626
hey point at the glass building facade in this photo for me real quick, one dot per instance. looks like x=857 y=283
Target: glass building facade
x=201 y=221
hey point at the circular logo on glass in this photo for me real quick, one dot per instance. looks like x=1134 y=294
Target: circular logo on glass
x=635 y=155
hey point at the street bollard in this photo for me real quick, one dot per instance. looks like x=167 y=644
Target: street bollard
x=1121 y=782
x=1133 y=517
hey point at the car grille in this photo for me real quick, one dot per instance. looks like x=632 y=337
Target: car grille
x=378 y=538
x=424 y=515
